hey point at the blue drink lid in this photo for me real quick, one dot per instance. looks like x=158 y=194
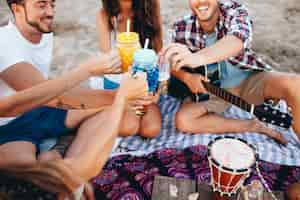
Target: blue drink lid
x=145 y=56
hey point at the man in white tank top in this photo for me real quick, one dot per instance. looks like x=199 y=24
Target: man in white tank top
x=26 y=51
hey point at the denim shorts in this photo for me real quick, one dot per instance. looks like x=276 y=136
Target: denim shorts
x=35 y=126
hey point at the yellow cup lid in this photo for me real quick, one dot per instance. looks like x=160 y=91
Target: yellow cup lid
x=127 y=37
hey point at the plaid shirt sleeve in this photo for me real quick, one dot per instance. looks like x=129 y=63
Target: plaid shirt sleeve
x=240 y=24
x=178 y=32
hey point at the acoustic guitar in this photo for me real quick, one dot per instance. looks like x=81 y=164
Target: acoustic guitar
x=265 y=112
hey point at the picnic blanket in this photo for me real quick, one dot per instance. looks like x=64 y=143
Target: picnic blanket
x=169 y=137
x=177 y=155
x=132 y=177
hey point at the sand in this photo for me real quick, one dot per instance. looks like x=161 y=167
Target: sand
x=276 y=33
x=276 y=30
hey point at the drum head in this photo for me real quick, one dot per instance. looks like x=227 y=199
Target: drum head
x=232 y=154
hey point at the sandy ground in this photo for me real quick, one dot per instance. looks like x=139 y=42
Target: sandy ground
x=276 y=38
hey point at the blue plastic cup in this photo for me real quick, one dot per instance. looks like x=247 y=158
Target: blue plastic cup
x=145 y=60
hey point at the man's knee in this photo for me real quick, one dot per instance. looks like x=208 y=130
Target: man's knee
x=293 y=87
x=182 y=120
x=187 y=115
x=289 y=86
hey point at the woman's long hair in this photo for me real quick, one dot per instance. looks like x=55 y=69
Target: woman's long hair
x=145 y=18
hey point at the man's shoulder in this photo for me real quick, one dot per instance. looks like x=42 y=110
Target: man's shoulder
x=184 y=20
x=10 y=53
x=229 y=6
x=230 y=3
x=7 y=36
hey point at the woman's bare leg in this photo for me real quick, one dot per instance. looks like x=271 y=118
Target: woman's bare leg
x=151 y=122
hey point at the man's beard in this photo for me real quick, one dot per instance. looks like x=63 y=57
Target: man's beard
x=36 y=25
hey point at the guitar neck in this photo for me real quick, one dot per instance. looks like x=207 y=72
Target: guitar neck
x=227 y=96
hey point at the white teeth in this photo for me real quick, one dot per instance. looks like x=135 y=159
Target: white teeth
x=203 y=8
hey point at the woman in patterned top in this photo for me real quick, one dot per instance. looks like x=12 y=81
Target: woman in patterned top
x=145 y=20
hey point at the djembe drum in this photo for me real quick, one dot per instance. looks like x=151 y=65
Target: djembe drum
x=230 y=161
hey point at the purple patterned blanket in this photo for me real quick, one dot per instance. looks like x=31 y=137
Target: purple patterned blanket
x=131 y=178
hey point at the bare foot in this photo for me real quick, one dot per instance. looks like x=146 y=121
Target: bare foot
x=259 y=127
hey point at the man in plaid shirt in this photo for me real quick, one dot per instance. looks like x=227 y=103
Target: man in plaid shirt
x=218 y=34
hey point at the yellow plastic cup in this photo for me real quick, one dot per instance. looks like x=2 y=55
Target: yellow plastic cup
x=127 y=44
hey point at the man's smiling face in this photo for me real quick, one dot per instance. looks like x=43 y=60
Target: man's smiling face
x=39 y=14
x=205 y=10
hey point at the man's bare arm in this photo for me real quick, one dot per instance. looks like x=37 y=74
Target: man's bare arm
x=223 y=49
x=84 y=98
x=23 y=76
x=180 y=56
x=35 y=90
x=41 y=93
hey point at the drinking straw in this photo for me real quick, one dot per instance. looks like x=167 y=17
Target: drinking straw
x=128 y=26
x=146 y=43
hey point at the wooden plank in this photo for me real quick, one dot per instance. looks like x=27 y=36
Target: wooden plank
x=161 y=188
x=166 y=188
x=205 y=192
x=267 y=196
x=185 y=188
x=279 y=195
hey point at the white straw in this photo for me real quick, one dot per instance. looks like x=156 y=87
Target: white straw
x=146 y=43
x=128 y=26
